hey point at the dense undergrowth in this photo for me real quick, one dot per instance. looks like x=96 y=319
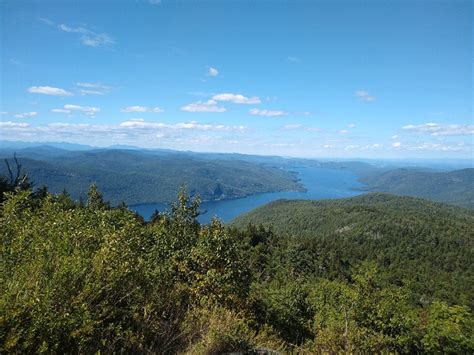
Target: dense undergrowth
x=88 y=278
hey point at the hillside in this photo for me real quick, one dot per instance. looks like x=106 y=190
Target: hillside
x=454 y=187
x=148 y=177
x=425 y=245
x=373 y=274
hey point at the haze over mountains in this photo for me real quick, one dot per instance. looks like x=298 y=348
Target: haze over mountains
x=146 y=177
x=136 y=176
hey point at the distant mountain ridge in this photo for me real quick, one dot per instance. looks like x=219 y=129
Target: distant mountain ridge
x=82 y=167
x=147 y=176
x=454 y=187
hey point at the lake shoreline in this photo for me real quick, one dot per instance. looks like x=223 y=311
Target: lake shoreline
x=317 y=182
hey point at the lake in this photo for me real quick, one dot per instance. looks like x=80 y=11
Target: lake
x=320 y=183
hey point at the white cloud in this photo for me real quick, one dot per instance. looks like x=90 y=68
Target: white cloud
x=139 y=123
x=313 y=129
x=134 y=131
x=439 y=147
x=141 y=109
x=290 y=127
x=10 y=124
x=200 y=106
x=3 y=113
x=93 y=88
x=298 y=126
x=26 y=114
x=364 y=96
x=46 y=21
x=213 y=72
x=371 y=146
x=343 y=131
x=237 y=98
x=438 y=129
x=48 y=90
x=351 y=125
x=434 y=146
x=86 y=36
x=267 y=113
x=395 y=136
x=60 y=110
x=90 y=111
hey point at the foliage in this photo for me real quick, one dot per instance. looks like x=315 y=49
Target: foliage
x=456 y=187
x=146 y=177
x=17 y=179
x=91 y=278
x=426 y=247
x=358 y=275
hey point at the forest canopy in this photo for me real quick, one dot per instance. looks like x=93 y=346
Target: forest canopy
x=84 y=277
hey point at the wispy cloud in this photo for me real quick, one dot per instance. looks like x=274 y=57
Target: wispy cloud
x=438 y=129
x=363 y=95
x=439 y=147
x=88 y=110
x=236 y=98
x=294 y=60
x=431 y=146
x=26 y=114
x=60 y=110
x=141 y=109
x=267 y=113
x=10 y=124
x=212 y=72
x=134 y=131
x=93 y=88
x=298 y=126
x=139 y=123
x=290 y=127
x=203 y=106
x=351 y=125
x=87 y=36
x=48 y=90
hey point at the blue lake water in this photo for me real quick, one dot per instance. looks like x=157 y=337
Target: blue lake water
x=320 y=183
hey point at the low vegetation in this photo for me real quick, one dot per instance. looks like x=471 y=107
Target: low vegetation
x=88 y=278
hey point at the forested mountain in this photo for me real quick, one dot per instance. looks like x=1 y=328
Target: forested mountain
x=455 y=187
x=373 y=274
x=148 y=176
x=425 y=245
x=135 y=175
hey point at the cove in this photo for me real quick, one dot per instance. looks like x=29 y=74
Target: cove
x=321 y=183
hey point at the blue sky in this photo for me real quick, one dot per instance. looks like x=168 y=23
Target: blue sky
x=353 y=78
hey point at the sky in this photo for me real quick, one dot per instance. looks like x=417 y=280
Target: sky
x=354 y=78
